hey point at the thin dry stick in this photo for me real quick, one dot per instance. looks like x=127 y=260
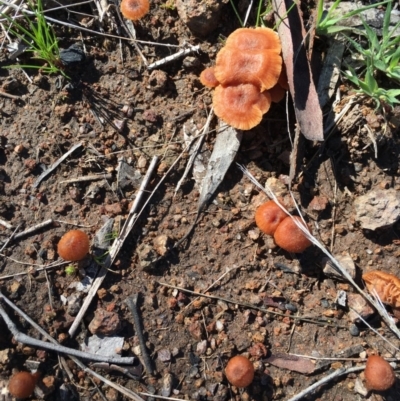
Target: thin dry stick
x=5 y=94
x=327 y=358
x=215 y=282
x=119 y=388
x=381 y=310
x=132 y=305
x=116 y=246
x=34 y=228
x=93 y=177
x=326 y=379
x=123 y=390
x=173 y=57
x=6 y=224
x=247 y=13
x=23 y=338
x=55 y=165
x=39 y=267
x=195 y=151
x=160 y=397
x=245 y=305
x=9 y=238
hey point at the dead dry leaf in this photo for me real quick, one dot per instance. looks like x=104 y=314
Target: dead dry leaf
x=291 y=362
x=292 y=35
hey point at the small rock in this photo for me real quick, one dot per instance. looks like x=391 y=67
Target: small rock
x=201 y=17
x=201 y=347
x=378 y=208
x=147 y=256
x=360 y=305
x=67 y=392
x=341 y=298
x=105 y=323
x=75 y=194
x=30 y=164
x=318 y=203
x=164 y=355
x=14 y=288
x=49 y=383
x=160 y=244
x=158 y=79
x=128 y=176
x=167 y=382
x=74 y=304
x=112 y=394
x=354 y=330
x=5 y=356
x=72 y=56
x=277 y=186
x=196 y=330
x=142 y=162
x=114 y=209
x=345 y=260
x=19 y=148
x=359 y=387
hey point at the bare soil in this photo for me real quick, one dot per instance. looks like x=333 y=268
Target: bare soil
x=190 y=339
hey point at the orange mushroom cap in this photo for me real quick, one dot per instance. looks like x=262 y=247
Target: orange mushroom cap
x=290 y=237
x=239 y=371
x=241 y=106
x=134 y=9
x=378 y=374
x=22 y=384
x=257 y=67
x=245 y=39
x=207 y=78
x=73 y=245
x=268 y=216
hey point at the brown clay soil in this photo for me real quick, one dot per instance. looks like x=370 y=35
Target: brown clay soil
x=189 y=339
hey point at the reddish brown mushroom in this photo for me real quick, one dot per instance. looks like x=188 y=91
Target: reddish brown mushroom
x=74 y=245
x=134 y=9
x=241 y=106
x=261 y=68
x=290 y=237
x=379 y=375
x=207 y=78
x=239 y=371
x=268 y=216
x=245 y=39
x=22 y=384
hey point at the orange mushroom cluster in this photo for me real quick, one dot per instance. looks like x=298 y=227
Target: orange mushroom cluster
x=247 y=77
x=272 y=220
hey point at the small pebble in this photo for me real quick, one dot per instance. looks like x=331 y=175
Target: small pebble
x=354 y=330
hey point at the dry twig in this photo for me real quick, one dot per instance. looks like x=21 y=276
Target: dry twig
x=23 y=338
x=55 y=165
x=132 y=305
x=326 y=379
